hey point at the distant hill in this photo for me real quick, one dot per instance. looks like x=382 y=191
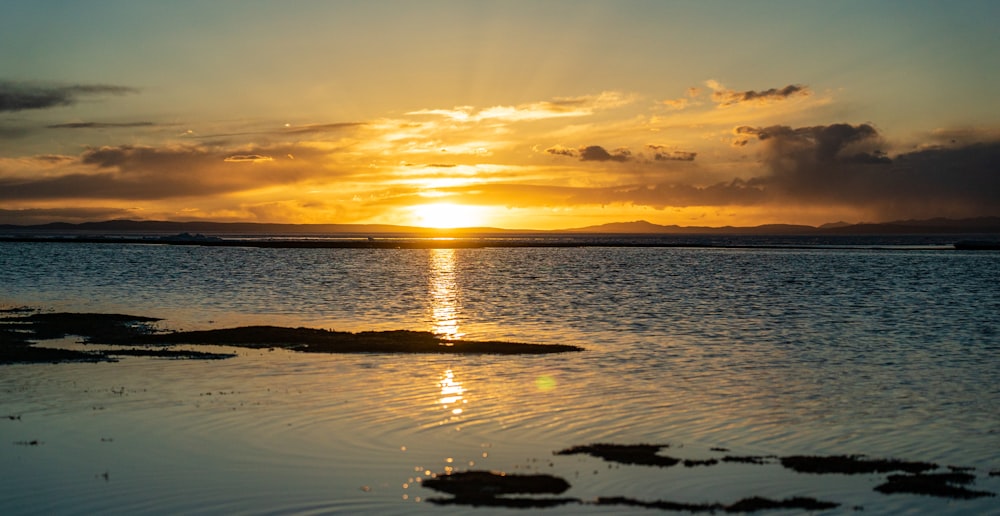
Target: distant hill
x=143 y=227
x=644 y=227
x=639 y=227
x=907 y=227
x=917 y=227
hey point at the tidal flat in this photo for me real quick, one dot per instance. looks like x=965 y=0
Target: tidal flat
x=24 y=332
x=731 y=379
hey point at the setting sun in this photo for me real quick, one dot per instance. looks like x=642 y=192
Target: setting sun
x=447 y=215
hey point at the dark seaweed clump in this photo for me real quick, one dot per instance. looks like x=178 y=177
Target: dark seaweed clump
x=19 y=333
x=20 y=328
x=755 y=503
x=648 y=455
x=851 y=464
x=915 y=481
x=311 y=340
x=933 y=484
x=487 y=488
x=490 y=489
x=94 y=328
x=639 y=454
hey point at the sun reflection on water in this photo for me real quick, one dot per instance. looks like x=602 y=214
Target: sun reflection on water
x=452 y=393
x=444 y=294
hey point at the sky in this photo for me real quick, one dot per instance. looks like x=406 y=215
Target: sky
x=512 y=114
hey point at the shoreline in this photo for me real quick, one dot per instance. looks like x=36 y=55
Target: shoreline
x=863 y=242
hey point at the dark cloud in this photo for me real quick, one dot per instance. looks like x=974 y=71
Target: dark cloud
x=592 y=153
x=146 y=173
x=621 y=154
x=828 y=142
x=559 y=150
x=597 y=153
x=99 y=125
x=18 y=96
x=45 y=215
x=661 y=153
x=837 y=165
x=247 y=158
x=726 y=97
x=53 y=159
x=842 y=164
x=773 y=93
x=675 y=156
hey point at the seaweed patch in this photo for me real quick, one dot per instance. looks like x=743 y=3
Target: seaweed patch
x=639 y=454
x=21 y=329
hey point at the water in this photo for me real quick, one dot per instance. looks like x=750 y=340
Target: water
x=889 y=353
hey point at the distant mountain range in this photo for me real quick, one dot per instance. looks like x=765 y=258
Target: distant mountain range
x=640 y=227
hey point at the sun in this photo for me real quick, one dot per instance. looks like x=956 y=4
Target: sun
x=447 y=215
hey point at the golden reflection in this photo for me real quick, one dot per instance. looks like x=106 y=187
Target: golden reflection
x=452 y=393
x=444 y=294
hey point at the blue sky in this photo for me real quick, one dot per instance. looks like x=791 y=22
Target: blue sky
x=513 y=114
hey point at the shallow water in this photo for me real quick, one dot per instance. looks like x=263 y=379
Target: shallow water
x=887 y=353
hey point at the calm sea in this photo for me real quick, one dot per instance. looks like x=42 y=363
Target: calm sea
x=834 y=350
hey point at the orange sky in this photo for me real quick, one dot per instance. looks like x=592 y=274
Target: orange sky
x=507 y=114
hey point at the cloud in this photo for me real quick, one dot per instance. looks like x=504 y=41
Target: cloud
x=621 y=154
x=726 y=97
x=658 y=195
x=20 y=96
x=597 y=153
x=559 y=150
x=950 y=137
x=248 y=158
x=558 y=107
x=828 y=142
x=843 y=164
x=322 y=128
x=840 y=166
x=684 y=102
x=661 y=153
x=54 y=159
x=677 y=104
x=98 y=125
x=592 y=153
x=129 y=172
